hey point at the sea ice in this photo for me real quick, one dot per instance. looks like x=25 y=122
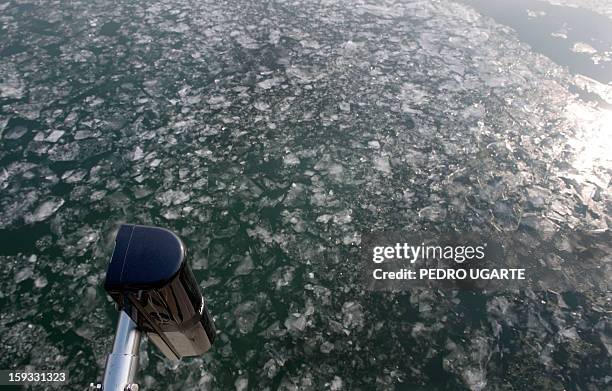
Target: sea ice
x=44 y=210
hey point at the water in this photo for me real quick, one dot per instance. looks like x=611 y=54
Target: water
x=270 y=136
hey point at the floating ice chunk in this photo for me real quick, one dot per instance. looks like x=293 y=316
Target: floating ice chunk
x=559 y=34
x=23 y=275
x=310 y=44
x=44 y=210
x=374 y=144
x=261 y=106
x=283 y=276
x=326 y=347
x=296 y=323
x=245 y=41
x=593 y=86
x=381 y=163
x=336 y=384
x=434 y=213
x=324 y=218
x=291 y=160
x=54 y=136
x=40 y=282
x=3 y=122
x=171 y=214
x=274 y=37
x=538 y=196
x=137 y=154
x=246 y=315
x=16 y=133
x=352 y=315
x=538 y=223
x=155 y=163
x=353 y=238
x=581 y=47
x=535 y=14
x=345 y=106
x=74 y=176
x=11 y=86
x=261 y=233
x=302 y=75
x=269 y=83
x=569 y=333
x=178 y=28
x=343 y=217
x=83 y=134
x=335 y=169
x=242 y=383
x=173 y=197
x=245 y=267
x=475 y=379
x=141 y=192
x=271 y=368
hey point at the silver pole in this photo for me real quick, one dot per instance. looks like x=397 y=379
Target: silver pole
x=122 y=363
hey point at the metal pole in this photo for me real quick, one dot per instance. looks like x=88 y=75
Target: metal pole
x=122 y=363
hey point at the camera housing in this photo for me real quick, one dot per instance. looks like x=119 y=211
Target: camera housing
x=150 y=280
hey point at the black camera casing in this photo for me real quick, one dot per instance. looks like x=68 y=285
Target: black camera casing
x=150 y=280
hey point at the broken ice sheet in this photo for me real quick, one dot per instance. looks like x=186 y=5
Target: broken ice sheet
x=280 y=139
x=246 y=315
x=44 y=210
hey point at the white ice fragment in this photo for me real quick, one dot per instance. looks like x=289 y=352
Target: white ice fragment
x=270 y=368
x=44 y=210
x=74 y=176
x=261 y=106
x=40 y=282
x=381 y=163
x=216 y=100
x=345 y=106
x=475 y=379
x=593 y=86
x=559 y=34
x=374 y=144
x=274 y=37
x=54 y=136
x=3 y=122
x=535 y=14
x=155 y=163
x=242 y=384
x=291 y=160
x=16 y=133
x=581 y=47
x=569 y=333
x=269 y=83
x=343 y=217
x=323 y=218
x=245 y=267
x=173 y=197
x=82 y=134
x=283 y=276
x=434 y=213
x=23 y=275
x=246 y=315
x=245 y=41
x=171 y=214
x=326 y=347
x=296 y=322
x=137 y=154
x=310 y=44
x=336 y=384
x=11 y=85
x=352 y=315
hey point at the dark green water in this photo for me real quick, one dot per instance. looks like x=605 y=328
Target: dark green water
x=270 y=136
